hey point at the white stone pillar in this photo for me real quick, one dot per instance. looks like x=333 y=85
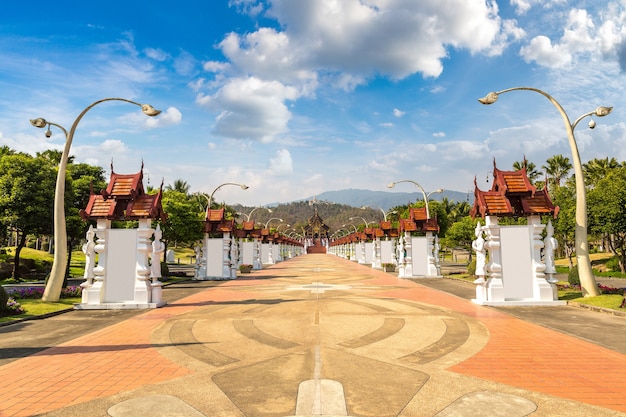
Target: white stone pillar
x=95 y=293
x=257 y=254
x=155 y=267
x=226 y=255
x=494 y=285
x=408 y=259
x=542 y=290
x=143 y=291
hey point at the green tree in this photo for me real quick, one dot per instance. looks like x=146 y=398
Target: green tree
x=596 y=169
x=180 y=186
x=461 y=234
x=607 y=212
x=81 y=180
x=565 y=224
x=531 y=169
x=26 y=198
x=184 y=222
x=557 y=169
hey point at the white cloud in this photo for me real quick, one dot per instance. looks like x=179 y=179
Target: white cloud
x=172 y=116
x=281 y=164
x=544 y=53
x=398 y=113
x=439 y=135
x=250 y=108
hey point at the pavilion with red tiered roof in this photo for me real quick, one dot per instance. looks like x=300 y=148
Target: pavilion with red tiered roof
x=128 y=270
x=520 y=265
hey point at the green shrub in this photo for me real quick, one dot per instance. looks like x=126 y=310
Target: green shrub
x=572 y=276
x=471 y=267
x=612 y=264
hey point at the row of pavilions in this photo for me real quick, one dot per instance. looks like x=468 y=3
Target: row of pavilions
x=514 y=264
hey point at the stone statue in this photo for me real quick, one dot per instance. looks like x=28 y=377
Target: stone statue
x=481 y=256
x=90 y=254
x=550 y=246
x=158 y=248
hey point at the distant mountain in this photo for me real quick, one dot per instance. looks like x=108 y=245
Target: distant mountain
x=384 y=199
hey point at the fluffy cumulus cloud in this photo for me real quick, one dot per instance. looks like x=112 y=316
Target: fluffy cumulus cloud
x=581 y=37
x=171 y=116
x=337 y=43
x=250 y=108
x=281 y=164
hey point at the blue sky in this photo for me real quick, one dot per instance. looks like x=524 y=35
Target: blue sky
x=294 y=98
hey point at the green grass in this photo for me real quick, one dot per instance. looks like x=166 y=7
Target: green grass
x=37 y=308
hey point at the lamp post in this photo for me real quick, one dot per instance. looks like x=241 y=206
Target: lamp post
x=243 y=187
x=54 y=286
x=348 y=224
x=440 y=190
x=382 y=210
x=268 y=222
x=367 y=224
x=585 y=273
x=281 y=225
x=252 y=211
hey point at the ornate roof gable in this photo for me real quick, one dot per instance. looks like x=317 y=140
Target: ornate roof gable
x=124 y=199
x=511 y=195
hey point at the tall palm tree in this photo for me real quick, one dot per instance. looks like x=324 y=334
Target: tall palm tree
x=180 y=186
x=531 y=169
x=596 y=169
x=557 y=168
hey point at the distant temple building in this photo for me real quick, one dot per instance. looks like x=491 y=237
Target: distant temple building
x=316 y=235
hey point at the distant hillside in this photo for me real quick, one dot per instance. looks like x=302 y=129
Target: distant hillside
x=384 y=199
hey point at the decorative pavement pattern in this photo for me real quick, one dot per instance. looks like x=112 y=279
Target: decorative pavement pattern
x=318 y=336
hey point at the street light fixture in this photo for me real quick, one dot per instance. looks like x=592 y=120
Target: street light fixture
x=281 y=225
x=243 y=187
x=348 y=224
x=440 y=190
x=585 y=273
x=52 y=292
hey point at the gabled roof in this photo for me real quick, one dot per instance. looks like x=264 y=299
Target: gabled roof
x=511 y=195
x=124 y=199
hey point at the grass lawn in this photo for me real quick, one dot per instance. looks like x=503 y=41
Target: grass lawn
x=37 y=307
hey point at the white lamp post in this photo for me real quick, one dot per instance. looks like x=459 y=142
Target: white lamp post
x=440 y=190
x=52 y=292
x=268 y=222
x=585 y=273
x=243 y=187
x=252 y=211
x=367 y=224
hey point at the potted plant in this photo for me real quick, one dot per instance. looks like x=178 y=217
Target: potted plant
x=388 y=267
x=245 y=268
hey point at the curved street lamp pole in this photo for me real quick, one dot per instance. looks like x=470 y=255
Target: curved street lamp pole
x=52 y=292
x=243 y=187
x=252 y=211
x=585 y=273
x=349 y=224
x=440 y=190
x=273 y=218
x=367 y=224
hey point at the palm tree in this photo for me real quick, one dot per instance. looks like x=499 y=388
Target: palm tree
x=557 y=168
x=596 y=169
x=531 y=169
x=180 y=186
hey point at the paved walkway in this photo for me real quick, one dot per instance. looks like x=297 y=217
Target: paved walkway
x=312 y=336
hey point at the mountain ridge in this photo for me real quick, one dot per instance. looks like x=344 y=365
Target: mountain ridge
x=383 y=199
